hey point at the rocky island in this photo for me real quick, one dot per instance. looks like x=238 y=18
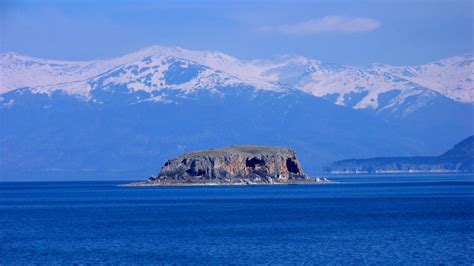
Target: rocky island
x=234 y=165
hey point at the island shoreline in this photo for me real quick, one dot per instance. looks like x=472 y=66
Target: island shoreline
x=316 y=181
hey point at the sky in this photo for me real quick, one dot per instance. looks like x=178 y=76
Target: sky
x=404 y=32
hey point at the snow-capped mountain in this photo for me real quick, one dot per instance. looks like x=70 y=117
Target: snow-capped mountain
x=155 y=69
x=123 y=117
x=345 y=85
x=360 y=87
x=452 y=77
x=143 y=70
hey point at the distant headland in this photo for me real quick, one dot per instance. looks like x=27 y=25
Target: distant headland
x=234 y=165
x=459 y=159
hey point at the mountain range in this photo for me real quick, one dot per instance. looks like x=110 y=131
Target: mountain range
x=123 y=117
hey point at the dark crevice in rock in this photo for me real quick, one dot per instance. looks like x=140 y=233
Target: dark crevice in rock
x=254 y=163
x=292 y=166
x=198 y=172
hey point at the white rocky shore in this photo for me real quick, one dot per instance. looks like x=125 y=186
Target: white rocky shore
x=148 y=183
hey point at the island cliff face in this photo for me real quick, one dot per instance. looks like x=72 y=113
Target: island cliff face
x=233 y=166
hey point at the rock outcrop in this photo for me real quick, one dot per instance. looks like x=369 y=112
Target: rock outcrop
x=232 y=166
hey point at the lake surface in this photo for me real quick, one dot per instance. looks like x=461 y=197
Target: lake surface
x=360 y=220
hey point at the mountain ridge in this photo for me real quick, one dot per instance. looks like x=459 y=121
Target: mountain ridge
x=458 y=159
x=353 y=87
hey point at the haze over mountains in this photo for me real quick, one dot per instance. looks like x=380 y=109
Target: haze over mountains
x=121 y=118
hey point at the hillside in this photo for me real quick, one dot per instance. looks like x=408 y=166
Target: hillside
x=459 y=159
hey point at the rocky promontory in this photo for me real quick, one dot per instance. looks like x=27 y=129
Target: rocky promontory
x=458 y=160
x=234 y=165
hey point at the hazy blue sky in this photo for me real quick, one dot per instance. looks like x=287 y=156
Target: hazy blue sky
x=345 y=32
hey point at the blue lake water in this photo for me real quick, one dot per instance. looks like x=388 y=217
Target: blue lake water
x=362 y=220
